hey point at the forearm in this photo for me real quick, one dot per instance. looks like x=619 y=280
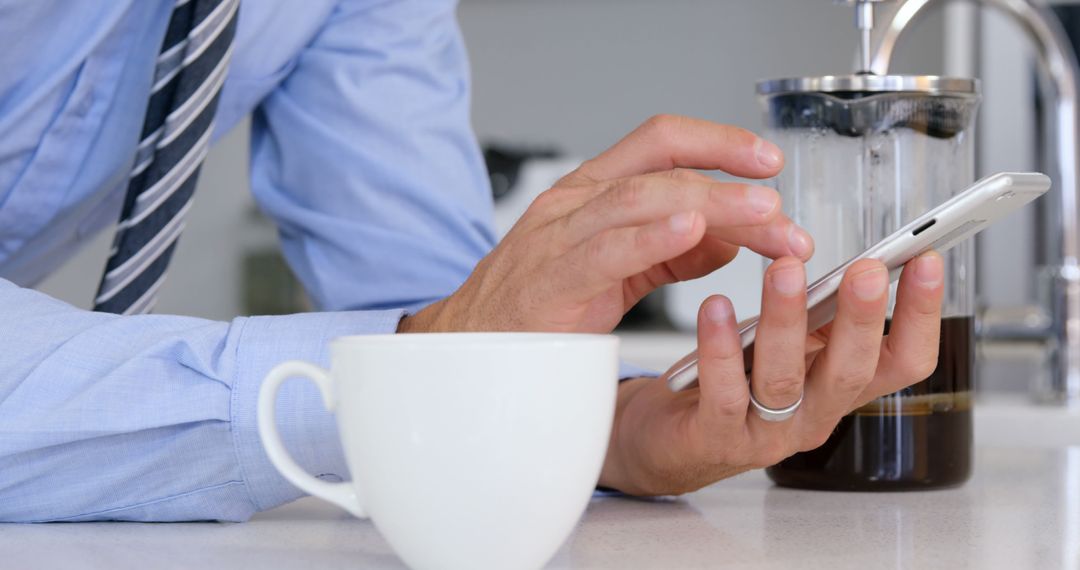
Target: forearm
x=153 y=418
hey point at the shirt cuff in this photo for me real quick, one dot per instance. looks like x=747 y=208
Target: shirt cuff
x=308 y=430
x=628 y=371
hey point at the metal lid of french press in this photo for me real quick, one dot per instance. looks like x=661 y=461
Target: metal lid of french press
x=858 y=105
x=867 y=84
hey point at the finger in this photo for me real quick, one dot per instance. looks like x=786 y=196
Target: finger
x=909 y=354
x=682 y=174
x=641 y=199
x=665 y=142
x=774 y=240
x=605 y=260
x=561 y=200
x=779 y=349
x=768 y=240
x=707 y=256
x=721 y=377
x=849 y=360
x=738 y=213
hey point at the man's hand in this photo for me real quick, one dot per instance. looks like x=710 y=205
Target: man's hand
x=621 y=225
x=671 y=443
x=631 y=220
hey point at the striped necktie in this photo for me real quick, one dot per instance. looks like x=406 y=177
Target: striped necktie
x=175 y=137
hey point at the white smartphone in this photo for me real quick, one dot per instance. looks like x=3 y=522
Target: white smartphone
x=963 y=216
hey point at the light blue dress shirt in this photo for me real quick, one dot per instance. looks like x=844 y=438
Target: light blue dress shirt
x=361 y=152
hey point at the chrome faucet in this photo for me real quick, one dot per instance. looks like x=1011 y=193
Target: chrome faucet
x=1056 y=323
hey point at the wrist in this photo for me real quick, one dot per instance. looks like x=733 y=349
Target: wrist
x=615 y=473
x=428 y=319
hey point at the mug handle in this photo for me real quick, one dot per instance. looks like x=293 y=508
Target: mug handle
x=341 y=494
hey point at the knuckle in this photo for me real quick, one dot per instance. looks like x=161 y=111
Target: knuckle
x=730 y=409
x=848 y=381
x=545 y=201
x=723 y=356
x=866 y=317
x=644 y=240
x=869 y=325
x=690 y=175
x=741 y=136
x=728 y=397
x=926 y=308
x=551 y=195
x=784 y=324
x=662 y=127
x=784 y=385
x=630 y=194
x=929 y=312
x=561 y=230
x=578 y=176
x=596 y=249
x=723 y=194
x=598 y=255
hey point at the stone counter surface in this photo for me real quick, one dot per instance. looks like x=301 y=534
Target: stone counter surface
x=1021 y=510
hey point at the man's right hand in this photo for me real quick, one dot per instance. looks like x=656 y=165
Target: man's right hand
x=621 y=225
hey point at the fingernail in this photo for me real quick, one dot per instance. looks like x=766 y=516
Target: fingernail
x=719 y=310
x=789 y=281
x=870 y=285
x=681 y=223
x=762 y=200
x=929 y=270
x=800 y=242
x=769 y=155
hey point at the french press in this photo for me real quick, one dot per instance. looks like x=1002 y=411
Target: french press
x=866 y=154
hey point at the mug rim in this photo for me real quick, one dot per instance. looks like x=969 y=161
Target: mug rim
x=466 y=338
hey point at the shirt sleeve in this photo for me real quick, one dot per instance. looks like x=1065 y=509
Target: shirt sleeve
x=152 y=418
x=365 y=157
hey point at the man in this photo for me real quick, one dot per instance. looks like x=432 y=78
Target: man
x=363 y=155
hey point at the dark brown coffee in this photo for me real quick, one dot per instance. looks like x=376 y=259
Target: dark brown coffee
x=918 y=438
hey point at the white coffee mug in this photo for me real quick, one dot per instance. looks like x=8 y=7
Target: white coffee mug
x=467 y=450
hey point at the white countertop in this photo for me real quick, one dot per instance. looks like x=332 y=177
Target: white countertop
x=1021 y=510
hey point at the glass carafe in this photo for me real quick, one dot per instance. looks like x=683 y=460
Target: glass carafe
x=865 y=155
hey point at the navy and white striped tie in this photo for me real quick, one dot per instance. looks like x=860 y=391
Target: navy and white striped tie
x=175 y=137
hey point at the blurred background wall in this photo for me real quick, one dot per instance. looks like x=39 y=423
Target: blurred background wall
x=575 y=75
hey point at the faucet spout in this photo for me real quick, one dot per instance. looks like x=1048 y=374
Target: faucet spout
x=1060 y=217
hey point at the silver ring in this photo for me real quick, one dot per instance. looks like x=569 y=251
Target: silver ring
x=774 y=414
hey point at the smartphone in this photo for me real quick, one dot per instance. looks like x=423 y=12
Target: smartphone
x=963 y=216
